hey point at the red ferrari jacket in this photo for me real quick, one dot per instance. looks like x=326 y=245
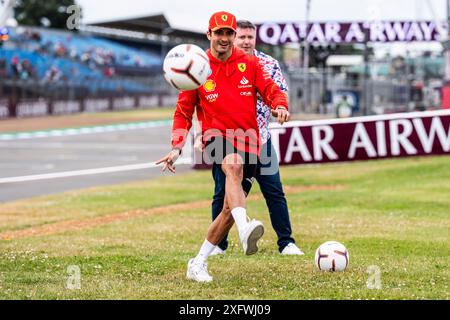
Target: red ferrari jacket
x=226 y=102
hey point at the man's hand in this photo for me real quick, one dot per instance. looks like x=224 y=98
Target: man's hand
x=169 y=160
x=281 y=114
x=198 y=143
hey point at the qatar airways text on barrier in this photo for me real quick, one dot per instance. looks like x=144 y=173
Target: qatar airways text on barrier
x=363 y=138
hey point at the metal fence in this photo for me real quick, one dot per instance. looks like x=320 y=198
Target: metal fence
x=311 y=93
x=73 y=89
x=26 y=98
x=319 y=92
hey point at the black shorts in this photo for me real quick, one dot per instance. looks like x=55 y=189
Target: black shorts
x=217 y=148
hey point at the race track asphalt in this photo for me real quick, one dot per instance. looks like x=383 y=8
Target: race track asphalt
x=25 y=163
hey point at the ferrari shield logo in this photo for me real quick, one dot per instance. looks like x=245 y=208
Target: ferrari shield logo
x=242 y=67
x=224 y=17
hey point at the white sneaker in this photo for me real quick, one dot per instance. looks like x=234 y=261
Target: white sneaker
x=217 y=251
x=292 y=249
x=251 y=235
x=198 y=271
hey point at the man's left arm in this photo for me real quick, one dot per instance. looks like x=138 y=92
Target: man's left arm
x=272 y=94
x=278 y=77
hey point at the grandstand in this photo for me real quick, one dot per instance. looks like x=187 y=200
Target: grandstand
x=102 y=61
x=78 y=59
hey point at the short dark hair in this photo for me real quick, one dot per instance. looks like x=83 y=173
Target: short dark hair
x=245 y=24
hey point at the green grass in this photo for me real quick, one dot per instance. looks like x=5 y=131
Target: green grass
x=393 y=214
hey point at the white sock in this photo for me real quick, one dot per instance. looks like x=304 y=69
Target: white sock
x=240 y=218
x=205 y=251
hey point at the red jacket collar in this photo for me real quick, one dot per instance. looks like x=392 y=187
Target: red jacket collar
x=235 y=54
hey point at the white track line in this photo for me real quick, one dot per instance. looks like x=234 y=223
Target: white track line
x=65 y=174
x=84 y=130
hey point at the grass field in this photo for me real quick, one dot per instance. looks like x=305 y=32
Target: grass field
x=133 y=241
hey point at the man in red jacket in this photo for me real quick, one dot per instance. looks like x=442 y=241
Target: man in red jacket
x=226 y=106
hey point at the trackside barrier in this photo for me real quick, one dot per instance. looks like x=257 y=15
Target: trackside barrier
x=360 y=138
x=47 y=107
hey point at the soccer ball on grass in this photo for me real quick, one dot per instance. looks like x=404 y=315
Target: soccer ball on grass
x=331 y=256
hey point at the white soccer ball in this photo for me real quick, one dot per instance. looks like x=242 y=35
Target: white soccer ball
x=331 y=256
x=186 y=67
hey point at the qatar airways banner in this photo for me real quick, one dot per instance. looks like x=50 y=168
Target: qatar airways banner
x=363 y=138
x=349 y=32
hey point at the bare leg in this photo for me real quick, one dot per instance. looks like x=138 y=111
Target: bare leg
x=233 y=168
x=221 y=225
x=234 y=209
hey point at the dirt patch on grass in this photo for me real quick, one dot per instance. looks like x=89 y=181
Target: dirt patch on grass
x=72 y=225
